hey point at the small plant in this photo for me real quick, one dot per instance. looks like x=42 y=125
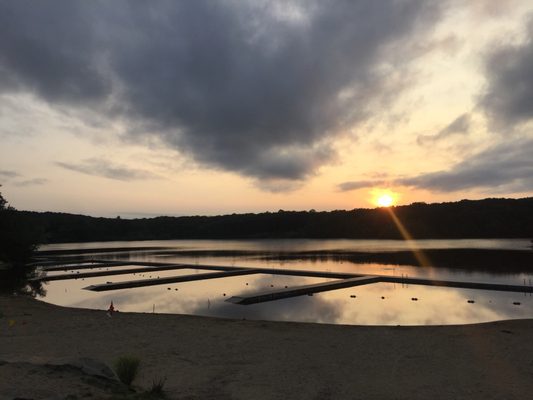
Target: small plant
x=157 y=387
x=126 y=368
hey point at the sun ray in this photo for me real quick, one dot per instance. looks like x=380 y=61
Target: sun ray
x=422 y=259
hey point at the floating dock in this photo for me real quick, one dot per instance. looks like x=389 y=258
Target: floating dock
x=302 y=290
x=366 y=280
x=108 y=273
x=339 y=280
x=171 y=279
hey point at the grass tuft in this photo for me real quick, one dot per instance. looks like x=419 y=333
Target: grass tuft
x=157 y=386
x=126 y=368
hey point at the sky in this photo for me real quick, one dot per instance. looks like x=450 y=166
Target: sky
x=139 y=109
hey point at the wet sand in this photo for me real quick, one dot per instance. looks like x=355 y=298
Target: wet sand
x=209 y=358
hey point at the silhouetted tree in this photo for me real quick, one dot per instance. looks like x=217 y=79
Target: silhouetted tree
x=18 y=240
x=3 y=202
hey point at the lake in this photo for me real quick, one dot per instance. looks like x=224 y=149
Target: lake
x=372 y=304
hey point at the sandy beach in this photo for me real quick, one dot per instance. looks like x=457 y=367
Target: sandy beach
x=209 y=358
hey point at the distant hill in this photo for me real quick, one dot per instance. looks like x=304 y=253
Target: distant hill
x=489 y=218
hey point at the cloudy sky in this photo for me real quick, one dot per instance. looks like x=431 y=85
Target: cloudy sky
x=138 y=108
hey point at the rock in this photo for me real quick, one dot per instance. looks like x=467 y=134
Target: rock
x=89 y=366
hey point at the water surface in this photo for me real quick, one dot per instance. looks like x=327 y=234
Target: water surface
x=375 y=304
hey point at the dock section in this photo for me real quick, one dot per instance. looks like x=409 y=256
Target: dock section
x=154 y=264
x=302 y=290
x=459 y=284
x=172 y=279
x=309 y=273
x=112 y=271
x=85 y=265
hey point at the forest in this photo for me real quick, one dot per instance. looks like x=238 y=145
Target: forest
x=488 y=218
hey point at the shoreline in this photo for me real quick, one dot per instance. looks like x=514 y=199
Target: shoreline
x=215 y=358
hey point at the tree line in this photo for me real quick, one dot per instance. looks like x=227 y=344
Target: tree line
x=488 y=218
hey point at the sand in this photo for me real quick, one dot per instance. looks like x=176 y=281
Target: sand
x=210 y=358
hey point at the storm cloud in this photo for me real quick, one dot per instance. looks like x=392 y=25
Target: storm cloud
x=260 y=87
x=508 y=99
x=507 y=167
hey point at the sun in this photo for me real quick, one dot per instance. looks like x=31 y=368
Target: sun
x=384 y=198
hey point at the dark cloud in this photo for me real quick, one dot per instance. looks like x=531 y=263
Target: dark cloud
x=9 y=174
x=460 y=125
x=30 y=182
x=50 y=49
x=354 y=185
x=504 y=168
x=101 y=167
x=259 y=88
x=508 y=99
x=16 y=179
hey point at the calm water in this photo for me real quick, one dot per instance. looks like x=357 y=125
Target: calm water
x=376 y=304
x=297 y=245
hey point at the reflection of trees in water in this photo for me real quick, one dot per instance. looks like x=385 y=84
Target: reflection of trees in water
x=18 y=281
x=487 y=260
